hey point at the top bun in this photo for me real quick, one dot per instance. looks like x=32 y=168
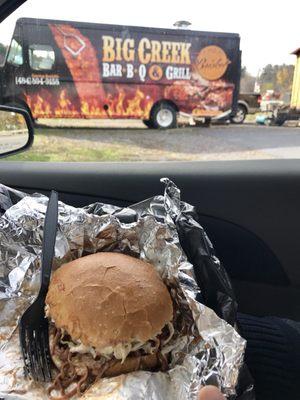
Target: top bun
x=109 y=299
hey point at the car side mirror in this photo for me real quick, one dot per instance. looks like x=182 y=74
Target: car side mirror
x=16 y=130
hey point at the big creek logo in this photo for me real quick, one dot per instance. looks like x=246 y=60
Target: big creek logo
x=145 y=58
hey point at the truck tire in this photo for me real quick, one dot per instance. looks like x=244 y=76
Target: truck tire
x=240 y=115
x=163 y=116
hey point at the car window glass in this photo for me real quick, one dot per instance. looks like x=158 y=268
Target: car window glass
x=41 y=57
x=122 y=84
x=15 y=55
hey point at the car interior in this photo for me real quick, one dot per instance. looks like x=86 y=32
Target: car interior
x=249 y=210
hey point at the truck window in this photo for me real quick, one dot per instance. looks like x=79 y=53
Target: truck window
x=15 y=55
x=41 y=57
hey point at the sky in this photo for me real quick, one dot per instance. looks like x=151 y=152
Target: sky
x=269 y=30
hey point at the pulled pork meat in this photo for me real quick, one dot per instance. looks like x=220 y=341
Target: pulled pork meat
x=79 y=366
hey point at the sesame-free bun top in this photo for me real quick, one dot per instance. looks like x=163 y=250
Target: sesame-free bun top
x=106 y=299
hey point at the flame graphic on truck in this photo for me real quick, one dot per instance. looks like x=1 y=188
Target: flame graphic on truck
x=119 y=106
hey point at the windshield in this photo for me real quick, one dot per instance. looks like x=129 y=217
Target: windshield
x=158 y=81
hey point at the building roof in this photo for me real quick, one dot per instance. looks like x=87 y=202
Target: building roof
x=296 y=52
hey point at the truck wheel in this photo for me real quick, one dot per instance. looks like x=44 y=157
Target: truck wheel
x=163 y=116
x=240 y=115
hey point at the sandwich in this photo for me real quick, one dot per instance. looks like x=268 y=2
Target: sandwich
x=109 y=314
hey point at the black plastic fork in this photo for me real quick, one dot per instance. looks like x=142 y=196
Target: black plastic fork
x=33 y=325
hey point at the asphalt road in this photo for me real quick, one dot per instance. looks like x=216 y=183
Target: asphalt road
x=218 y=142
x=12 y=142
x=268 y=141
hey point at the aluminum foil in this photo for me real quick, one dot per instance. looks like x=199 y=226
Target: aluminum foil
x=215 y=357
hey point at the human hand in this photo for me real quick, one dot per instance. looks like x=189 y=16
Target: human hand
x=210 y=393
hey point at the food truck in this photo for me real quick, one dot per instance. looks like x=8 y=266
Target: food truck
x=65 y=69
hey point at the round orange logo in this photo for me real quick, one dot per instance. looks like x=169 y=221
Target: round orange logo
x=155 y=72
x=211 y=63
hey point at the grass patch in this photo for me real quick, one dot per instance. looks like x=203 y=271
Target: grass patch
x=51 y=146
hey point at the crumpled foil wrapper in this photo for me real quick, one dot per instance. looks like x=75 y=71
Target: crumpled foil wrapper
x=216 y=358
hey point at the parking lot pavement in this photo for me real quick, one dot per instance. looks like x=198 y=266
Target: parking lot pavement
x=218 y=142
x=268 y=141
x=277 y=142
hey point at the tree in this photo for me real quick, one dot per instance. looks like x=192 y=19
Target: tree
x=277 y=77
x=284 y=77
x=247 y=81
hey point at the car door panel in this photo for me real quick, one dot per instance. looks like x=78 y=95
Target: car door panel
x=249 y=209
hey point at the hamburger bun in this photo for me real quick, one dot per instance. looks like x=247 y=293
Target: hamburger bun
x=109 y=299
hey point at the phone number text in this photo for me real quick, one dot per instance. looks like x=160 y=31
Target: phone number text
x=47 y=81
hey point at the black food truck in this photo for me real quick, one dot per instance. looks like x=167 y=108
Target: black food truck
x=63 y=69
